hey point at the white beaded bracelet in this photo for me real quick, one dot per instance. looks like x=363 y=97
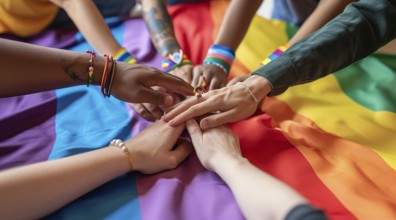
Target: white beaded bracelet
x=118 y=143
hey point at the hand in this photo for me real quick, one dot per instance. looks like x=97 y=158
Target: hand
x=150 y=112
x=214 y=75
x=233 y=103
x=237 y=79
x=150 y=155
x=133 y=82
x=213 y=143
x=184 y=72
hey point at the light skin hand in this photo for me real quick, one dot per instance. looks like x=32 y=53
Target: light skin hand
x=150 y=156
x=237 y=79
x=133 y=82
x=214 y=76
x=213 y=143
x=233 y=103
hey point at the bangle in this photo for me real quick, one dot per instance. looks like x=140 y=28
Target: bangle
x=122 y=55
x=250 y=91
x=111 y=77
x=118 y=143
x=91 y=68
x=175 y=60
x=221 y=56
x=275 y=54
x=105 y=72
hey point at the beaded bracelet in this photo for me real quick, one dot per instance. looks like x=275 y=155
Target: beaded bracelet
x=122 y=55
x=118 y=143
x=221 y=56
x=175 y=60
x=91 y=67
x=275 y=54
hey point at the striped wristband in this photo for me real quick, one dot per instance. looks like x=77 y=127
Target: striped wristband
x=221 y=56
x=275 y=54
x=122 y=55
x=175 y=60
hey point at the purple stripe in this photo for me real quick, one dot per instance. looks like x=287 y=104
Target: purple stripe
x=140 y=45
x=27 y=128
x=188 y=192
x=278 y=52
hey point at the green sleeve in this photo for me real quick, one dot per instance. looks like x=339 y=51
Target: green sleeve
x=360 y=30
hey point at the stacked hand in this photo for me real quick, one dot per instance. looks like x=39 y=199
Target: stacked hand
x=232 y=103
x=151 y=156
x=133 y=83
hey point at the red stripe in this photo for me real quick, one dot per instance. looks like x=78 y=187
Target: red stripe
x=269 y=150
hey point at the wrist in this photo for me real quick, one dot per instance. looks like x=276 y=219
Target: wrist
x=174 y=60
x=222 y=162
x=259 y=86
x=122 y=55
x=220 y=56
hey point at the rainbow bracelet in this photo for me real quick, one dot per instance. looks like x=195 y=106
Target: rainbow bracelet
x=175 y=60
x=122 y=55
x=221 y=56
x=275 y=54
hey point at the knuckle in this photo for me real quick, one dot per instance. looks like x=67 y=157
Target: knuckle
x=173 y=161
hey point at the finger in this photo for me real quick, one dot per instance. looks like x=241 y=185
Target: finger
x=193 y=129
x=214 y=84
x=181 y=107
x=219 y=119
x=196 y=75
x=142 y=111
x=179 y=154
x=233 y=81
x=194 y=111
x=174 y=84
x=155 y=97
x=154 y=110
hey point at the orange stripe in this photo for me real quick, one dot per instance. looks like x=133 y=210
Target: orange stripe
x=356 y=175
x=268 y=149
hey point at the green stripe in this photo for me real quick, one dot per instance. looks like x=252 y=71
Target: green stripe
x=291 y=30
x=219 y=61
x=371 y=82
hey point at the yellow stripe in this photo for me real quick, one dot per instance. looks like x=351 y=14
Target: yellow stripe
x=261 y=40
x=329 y=107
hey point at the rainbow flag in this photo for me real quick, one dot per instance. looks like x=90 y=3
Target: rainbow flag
x=332 y=140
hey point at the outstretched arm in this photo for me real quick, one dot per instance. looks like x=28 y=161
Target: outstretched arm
x=54 y=182
x=89 y=21
x=28 y=68
x=259 y=195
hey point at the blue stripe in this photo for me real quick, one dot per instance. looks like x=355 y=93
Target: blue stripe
x=85 y=121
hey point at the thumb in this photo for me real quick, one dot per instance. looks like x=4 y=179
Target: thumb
x=193 y=128
x=156 y=97
x=179 y=154
x=197 y=72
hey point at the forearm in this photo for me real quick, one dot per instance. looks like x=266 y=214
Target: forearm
x=89 y=21
x=360 y=30
x=259 y=195
x=28 y=68
x=324 y=12
x=56 y=183
x=160 y=25
x=236 y=22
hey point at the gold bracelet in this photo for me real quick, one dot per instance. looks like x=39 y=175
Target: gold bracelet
x=249 y=91
x=118 y=143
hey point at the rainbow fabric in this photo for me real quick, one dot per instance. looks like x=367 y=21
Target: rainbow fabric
x=332 y=140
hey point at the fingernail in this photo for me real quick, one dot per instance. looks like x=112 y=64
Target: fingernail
x=171 y=122
x=168 y=100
